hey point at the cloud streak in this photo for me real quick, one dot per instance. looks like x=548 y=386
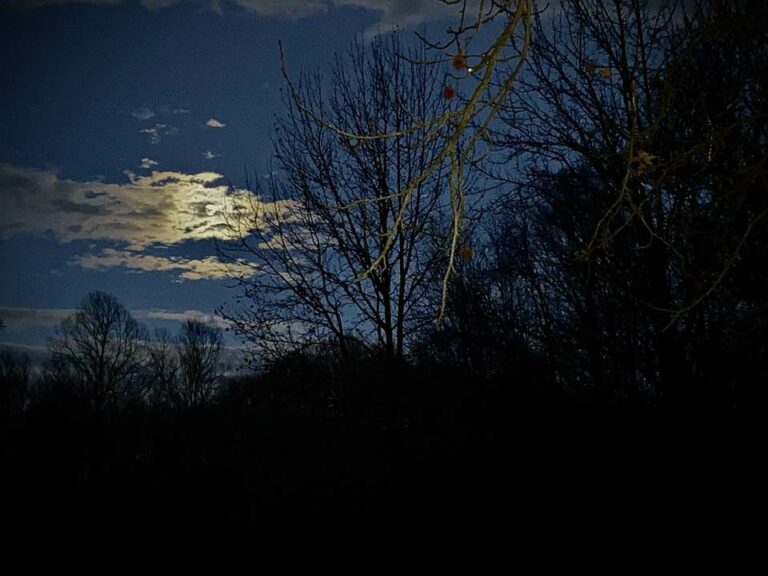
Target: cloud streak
x=392 y=13
x=26 y=318
x=209 y=268
x=169 y=316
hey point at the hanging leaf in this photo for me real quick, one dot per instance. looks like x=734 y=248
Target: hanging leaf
x=605 y=72
x=643 y=161
x=459 y=61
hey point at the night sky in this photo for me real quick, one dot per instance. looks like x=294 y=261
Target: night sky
x=124 y=123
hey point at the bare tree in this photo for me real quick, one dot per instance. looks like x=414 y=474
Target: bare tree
x=163 y=368
x=200 y=349
x=99 y=348
x=485 y=52
x=334 y=204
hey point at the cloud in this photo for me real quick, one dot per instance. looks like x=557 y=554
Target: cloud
x=143 y=114
x=36 y=354
x=148 y=163
x=208 y=155
x=213 y=123
x=286 y=8
x=163 y=208
x=19 y=319
x=157 y=132
x=393 y=13
x=209 y=268
x=183 y=316
x=25 y=318
x=158 y=4
x=29 y=4
x=402 y=13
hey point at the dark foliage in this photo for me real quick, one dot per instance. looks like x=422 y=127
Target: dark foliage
x=453 y=451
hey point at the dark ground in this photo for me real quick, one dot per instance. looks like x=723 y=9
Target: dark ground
x=460 y=454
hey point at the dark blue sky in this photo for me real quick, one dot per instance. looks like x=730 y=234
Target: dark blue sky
x=99 y=95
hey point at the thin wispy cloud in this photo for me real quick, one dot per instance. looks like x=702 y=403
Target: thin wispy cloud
x=392 y=13
x=20 y=318
x=143 y=114
x=208 y=155
x=26 y=318
x=148 y=163
x=158 y=131
x=30 y=4
x=209 y=268
x=183 y=316
x=402 y=13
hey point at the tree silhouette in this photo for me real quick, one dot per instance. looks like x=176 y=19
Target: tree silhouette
x=336 y=199
x=163 y=368
x=486 y=65
x=99 y=349
x=200 y=349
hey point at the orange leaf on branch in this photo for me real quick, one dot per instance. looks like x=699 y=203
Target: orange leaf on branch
x=604 y=72
x=643 y=161
x=459 y=61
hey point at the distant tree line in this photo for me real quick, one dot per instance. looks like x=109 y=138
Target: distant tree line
x=103 y=357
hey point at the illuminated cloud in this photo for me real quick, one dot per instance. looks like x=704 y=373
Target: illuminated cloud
x=208 y=155
x=209 y=268
x=163 y=208
x=213 y=123
x=148 y=163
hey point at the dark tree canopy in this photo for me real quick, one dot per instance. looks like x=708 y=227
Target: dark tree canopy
x=634 y=230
